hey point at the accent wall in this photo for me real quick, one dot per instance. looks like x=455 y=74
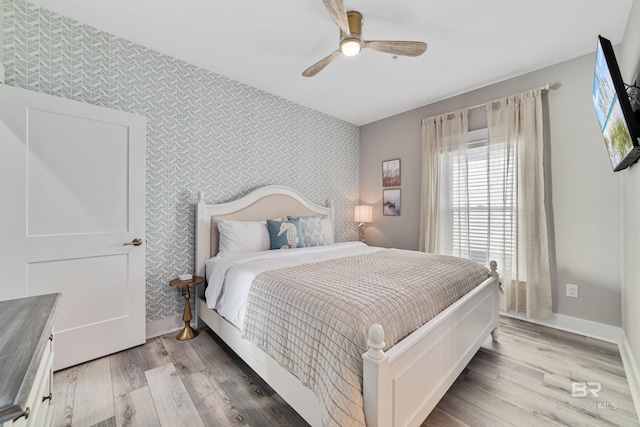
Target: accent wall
x=205 y=132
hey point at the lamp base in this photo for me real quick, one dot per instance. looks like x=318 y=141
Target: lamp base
x=361 y=232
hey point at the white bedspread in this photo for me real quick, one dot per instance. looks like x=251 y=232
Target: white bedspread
x=229 y=278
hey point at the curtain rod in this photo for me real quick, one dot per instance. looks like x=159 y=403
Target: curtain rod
x=546 y=87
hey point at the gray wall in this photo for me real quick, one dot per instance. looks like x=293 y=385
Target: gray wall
x=205 y=132
x=584 y=198
x=630 y=67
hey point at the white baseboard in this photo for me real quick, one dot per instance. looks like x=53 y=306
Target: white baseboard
x=631 y=370
x=164 y=326
x=578 y=326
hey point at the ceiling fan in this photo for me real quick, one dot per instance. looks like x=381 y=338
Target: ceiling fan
x=351 y=41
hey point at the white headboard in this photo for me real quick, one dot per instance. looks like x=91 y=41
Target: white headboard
x=272 y=201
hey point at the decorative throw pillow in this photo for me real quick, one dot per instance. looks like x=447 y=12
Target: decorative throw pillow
x=328 y=230
x=285 y=234
x=312 y=230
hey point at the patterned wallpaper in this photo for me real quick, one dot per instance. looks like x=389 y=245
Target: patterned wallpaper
x=205 y=132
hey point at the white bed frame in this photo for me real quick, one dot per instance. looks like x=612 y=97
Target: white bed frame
x=400 y=386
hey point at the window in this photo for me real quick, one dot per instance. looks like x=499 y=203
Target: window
x=483 y=196
x=482 y=203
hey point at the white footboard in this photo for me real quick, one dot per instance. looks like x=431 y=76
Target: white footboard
x=403 y=385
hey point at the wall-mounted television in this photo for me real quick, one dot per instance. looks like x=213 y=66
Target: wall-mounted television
x=618 y=122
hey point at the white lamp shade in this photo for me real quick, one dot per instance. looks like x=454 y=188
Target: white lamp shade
x=364 y=213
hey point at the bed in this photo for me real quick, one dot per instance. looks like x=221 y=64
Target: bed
x=400 y=384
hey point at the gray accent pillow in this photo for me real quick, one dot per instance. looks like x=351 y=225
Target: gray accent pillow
x=312 y=230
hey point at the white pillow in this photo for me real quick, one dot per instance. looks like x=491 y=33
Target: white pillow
x=237 y=237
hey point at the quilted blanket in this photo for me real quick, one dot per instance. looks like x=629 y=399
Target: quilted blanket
x=313 y=318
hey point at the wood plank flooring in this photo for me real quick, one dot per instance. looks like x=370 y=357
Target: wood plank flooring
x=523 y=380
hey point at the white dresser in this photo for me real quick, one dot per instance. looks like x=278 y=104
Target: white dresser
x=26 y=360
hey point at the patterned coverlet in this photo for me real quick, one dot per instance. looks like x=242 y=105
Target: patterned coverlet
x=314 y=318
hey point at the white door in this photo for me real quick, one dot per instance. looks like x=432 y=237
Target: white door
x=72 y=194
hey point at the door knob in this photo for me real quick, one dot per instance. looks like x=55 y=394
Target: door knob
x=134 y=242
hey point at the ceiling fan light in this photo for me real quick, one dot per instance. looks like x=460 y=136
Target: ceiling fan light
x=350 y=47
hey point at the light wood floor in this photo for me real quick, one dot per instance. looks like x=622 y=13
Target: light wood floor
x=524 y=380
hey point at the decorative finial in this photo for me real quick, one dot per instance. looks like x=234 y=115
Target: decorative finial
x=376 y=342
x=494 y=268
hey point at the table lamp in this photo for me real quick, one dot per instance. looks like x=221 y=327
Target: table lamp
x=363 y=215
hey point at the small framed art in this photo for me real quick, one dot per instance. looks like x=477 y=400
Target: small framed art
x=391 y=202
x=391 y=173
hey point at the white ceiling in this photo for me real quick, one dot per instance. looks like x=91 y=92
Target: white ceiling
x=268 y=43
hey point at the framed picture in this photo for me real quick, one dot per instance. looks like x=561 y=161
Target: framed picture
x=391 y=202
x=391 y=173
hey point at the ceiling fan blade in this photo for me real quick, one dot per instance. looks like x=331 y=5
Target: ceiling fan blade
x=397 y=48
x=336 y=9
x=319 y=66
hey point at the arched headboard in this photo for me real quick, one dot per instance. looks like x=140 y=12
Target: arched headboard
x=272 y=201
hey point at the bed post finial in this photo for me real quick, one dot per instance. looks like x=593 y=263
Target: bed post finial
x=376 y=342
x=494 y=268
x=494 y=273
x=200 y=196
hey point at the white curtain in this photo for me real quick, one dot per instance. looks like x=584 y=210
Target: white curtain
x=444 y=141
x=485 y=201
x=516 y=123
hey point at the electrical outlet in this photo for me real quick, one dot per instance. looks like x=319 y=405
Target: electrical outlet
x=572 y=290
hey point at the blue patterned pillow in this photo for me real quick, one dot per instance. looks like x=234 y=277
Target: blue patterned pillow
x=312 y=230
x=285 y=234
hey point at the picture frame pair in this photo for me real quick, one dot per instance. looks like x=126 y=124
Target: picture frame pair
x=391 y=177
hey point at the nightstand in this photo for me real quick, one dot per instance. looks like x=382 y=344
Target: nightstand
x=188 y=332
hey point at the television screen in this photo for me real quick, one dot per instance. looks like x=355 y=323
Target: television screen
x=613 y=109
